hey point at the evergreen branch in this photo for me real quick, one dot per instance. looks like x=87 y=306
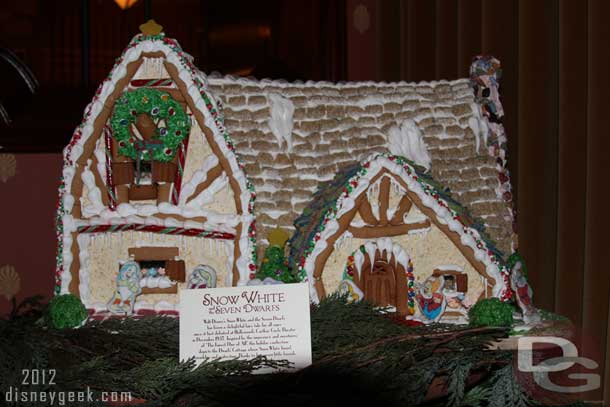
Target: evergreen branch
x=447 y=337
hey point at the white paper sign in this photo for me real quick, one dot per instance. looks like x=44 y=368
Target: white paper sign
x=245 y=322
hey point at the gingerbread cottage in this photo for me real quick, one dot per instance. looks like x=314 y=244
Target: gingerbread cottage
x=382 y=186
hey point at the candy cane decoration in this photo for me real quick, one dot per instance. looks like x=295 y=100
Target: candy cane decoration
x=176 y=231
x=180 y=172
x=109 y=181
x=149 y=83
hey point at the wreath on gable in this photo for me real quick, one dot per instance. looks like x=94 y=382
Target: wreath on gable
x=162 y=108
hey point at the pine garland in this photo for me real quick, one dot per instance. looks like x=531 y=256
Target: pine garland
x=360 y=357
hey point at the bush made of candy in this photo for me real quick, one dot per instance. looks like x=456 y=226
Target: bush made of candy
x=66 y=311
x=491 y=312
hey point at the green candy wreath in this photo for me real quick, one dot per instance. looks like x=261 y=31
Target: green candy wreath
x=160 y=106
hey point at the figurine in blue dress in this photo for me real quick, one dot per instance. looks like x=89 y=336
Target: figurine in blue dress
x=127 y=289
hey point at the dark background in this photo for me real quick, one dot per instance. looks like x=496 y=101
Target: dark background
x=555 y=90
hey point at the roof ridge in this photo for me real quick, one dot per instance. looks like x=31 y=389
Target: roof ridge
x=217 y=78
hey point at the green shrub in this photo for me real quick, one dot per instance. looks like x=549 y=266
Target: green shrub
x=274 y=265
x=491 y=312
x=66 y=311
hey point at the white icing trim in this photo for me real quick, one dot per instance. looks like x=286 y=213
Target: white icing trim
x=280 y=121
x=93 y=193
x=198 y=178
x=206 y=196
x=408 y=141
x=449 y=267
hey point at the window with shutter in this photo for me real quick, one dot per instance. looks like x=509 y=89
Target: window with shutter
x=161 y=272
x=455 y=280
x=142 y=180
x=176 y=270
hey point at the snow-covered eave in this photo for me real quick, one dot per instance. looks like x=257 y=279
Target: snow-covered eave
x=166 y=214
x=195 y=83
x=468 y=236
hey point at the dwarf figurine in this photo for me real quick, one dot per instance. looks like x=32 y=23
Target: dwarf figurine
x=523 y=295
x=203 y=276
x=351 y=290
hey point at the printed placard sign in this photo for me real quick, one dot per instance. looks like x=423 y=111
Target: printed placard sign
x=245 y=322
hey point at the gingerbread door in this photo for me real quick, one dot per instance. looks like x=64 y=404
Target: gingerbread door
x=383 y=281
x=380 y=284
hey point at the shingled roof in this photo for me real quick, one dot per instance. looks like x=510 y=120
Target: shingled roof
x=336 y=126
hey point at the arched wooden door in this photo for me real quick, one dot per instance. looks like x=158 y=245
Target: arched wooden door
x=383 y=281
x=380 y=284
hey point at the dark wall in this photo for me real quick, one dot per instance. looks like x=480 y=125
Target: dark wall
x=71 y=45
x=27 y=216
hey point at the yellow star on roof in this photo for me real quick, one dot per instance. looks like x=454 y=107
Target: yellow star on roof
x=151 y=28
x=277 y=237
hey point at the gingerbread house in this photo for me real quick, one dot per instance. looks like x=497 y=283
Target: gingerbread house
x=381 y=185
x=410 y=178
